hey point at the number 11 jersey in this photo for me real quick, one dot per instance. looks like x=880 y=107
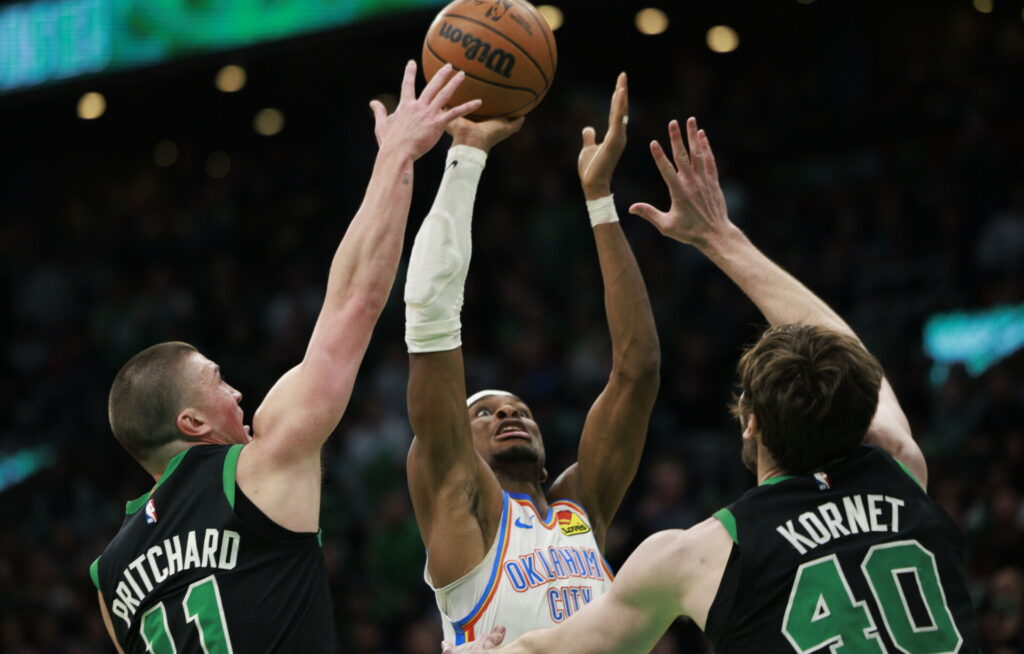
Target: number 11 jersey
x=197 y=567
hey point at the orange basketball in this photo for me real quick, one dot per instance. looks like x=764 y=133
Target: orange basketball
x=505 y=48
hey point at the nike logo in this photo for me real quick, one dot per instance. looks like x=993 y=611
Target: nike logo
x=520 y=523
x=453 y=164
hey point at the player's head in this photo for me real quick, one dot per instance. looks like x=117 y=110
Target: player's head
x=505 y=434
x=169 y=393
x=808 y=396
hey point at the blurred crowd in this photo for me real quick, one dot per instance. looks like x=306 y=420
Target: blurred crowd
x=881 y=165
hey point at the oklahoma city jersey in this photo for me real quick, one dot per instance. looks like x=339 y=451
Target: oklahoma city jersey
x=538 y=572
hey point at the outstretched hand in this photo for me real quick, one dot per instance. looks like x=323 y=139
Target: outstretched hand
x=418 y=123
x=598 y=160
x=484 y=134
x=698 y=213
x=486 y=644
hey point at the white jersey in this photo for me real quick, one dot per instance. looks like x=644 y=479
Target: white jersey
x=538 y=572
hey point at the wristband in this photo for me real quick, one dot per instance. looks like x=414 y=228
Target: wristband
x=602 y=211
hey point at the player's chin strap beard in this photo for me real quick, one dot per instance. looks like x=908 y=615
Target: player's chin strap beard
x=519 y=463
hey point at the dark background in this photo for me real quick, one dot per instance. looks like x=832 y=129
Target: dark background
x=871 y=147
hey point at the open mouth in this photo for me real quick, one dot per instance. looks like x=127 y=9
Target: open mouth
x=511 y=429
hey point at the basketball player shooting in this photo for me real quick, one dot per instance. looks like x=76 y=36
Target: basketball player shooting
x=501 y=550
x=225 y=555
x=839 y=546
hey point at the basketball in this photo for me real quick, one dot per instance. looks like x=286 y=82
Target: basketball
x=505 y=48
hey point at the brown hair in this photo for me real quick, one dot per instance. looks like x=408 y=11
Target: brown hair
x=814 y=392
x=146 y=396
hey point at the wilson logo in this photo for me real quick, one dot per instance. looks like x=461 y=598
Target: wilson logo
x=476 y=49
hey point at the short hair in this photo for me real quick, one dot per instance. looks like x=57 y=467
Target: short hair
x=814 y=392
x=146 y=396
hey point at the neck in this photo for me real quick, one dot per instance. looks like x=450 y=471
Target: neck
x=524 y=487
x=157 y=465
x=766 y=466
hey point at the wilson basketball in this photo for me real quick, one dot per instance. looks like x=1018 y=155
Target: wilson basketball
x=505 y=48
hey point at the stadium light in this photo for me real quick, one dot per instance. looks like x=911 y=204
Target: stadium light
x=230 y=79
x=91 y=106
x=165 y=154
x=218 y=164
x=983 y=6
x=722 y=38
x=268 y=121
x=651 y=21
x=553 y=15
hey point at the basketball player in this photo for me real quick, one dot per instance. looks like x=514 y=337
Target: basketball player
x=839 y=547
x=223 y=553
x=500 y=548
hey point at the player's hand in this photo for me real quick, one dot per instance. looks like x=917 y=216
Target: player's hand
x=418 y=123
x=484 y=134
x=698 y=214
x=486 y=644
x=598 y=160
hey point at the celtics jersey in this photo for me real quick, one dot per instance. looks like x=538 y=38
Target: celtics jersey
x=197 y=567
x=855 y=558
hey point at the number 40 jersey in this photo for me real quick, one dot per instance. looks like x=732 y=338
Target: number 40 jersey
x=197 y=567
x=853 y=559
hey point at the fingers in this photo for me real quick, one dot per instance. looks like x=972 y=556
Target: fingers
x=445 y=93
x=691 y=141
x=589 y=137
x=409 y=82
x=668 y=172
x=494 y=638
x=675 y=137
x=618 y=115
x=380 y=114
x=647 y=212
x=709 y=156
x=436 y=83
x=463 y=109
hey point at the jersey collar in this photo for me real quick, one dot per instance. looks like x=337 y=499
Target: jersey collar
x=136 y=504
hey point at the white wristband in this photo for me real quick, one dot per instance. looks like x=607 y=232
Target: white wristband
x=602 y=211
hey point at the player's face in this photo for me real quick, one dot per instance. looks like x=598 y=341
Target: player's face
x=219 y=403
x=504 y=431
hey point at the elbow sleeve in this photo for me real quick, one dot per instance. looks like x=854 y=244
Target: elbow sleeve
x=440 y=258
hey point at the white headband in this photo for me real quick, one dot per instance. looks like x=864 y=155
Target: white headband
x=479 y=395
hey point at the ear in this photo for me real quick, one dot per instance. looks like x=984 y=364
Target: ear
x=190 y=423
x=752 y=429
x=543 y=475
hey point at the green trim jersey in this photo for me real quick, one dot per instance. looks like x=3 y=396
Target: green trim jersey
x=853 y=559
x=197 y=567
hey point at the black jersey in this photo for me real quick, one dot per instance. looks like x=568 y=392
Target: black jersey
x=855 y=558
x=196 y=567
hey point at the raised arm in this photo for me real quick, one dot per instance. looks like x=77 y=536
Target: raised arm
x=698 y=216
x=280 y=469
x=455 y=495
x=616 y=427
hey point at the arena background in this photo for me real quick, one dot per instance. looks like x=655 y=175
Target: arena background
x=872 y=147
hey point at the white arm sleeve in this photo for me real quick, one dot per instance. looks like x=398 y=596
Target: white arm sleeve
x=440 y=257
